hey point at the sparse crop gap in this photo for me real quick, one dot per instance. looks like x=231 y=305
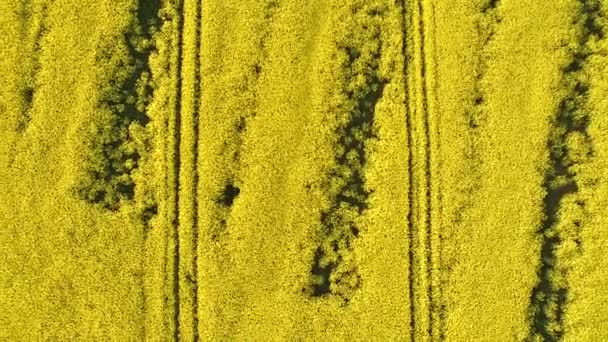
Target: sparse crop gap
x=270 y=9
x=321 y=273
x=490 y=5
x=591 y=11
x=229 y=195
x=493 y=3
x=355 y=231
x=26 y=91
x=475 y=115
x=548 y=298
x=479 y=100
x=25 y=13
x=577 y=240
x=225 y=200
x=546 y=292
x=542 y=292
x=149 y=212
x=231 y=191
x=27 y=97
x=32 y=24
x=148 y=17
x=127 y=98
x=338 y=229
x=215 y=231
x=239 y=124
x=27 y=94
x=487 y=23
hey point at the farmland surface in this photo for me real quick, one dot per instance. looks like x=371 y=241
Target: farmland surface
x=261 y=170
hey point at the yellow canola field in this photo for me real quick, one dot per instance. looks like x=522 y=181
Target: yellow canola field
x=285 y=170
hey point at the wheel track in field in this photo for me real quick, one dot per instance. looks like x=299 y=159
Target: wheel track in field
x=427 y=163
x=410 y=195
x=184 y=275
x=177 y=166
x=434 y=235
x=434 y=245
x=560 y=180
x=196 y=113
x=425 y=236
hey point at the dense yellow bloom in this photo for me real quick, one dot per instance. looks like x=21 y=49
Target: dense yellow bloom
x=284 y=170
